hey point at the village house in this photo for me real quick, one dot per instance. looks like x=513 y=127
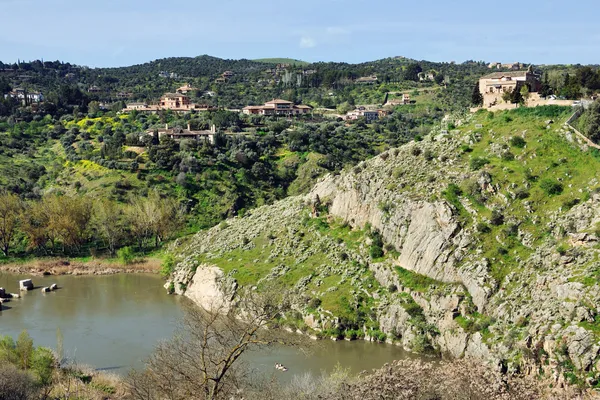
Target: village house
x=25 y=96
x=94 y=89
x=277 y=107
x=493 y=86
x=368 y=115
x=178 y=133
x=185 y=89
x=170 y=101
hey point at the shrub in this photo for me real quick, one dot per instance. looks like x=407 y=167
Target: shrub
x=392 y=288
x=551 y=186
x=126 y=255
x=497 y=218
x=562 y=249
x=483 y=228
x=521 y=193
x=508 y=156
x=517 y=141
x=167 y=266
x=428 y=154
x=416 y=151
x=478 y=163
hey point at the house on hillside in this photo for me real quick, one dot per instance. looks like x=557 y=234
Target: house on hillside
x=25 y=96
x=493 y=86
x=278 y=107
x=368 y=115
x=185 y=89
x=170 y=101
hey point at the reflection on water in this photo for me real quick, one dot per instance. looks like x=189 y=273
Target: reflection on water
x=113 y=322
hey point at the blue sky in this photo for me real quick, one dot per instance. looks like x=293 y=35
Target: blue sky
x=124 y=32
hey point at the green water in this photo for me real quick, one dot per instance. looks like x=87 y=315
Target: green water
x=113 y=322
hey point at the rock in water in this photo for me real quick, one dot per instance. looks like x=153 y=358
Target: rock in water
x=26 y=284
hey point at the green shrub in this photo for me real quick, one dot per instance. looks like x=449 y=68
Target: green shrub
x=517 y=141
x=562 y=249
x=167 y=266
x=483 y=228
x=551 y=186
x=508 y=156
x=126 y=255
x=478 y=163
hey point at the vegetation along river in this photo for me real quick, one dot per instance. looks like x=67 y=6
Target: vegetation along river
x=113 y=322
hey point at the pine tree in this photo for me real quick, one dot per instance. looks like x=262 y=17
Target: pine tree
x=476 y=97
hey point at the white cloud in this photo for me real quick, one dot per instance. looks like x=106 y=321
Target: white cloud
x=306 y=42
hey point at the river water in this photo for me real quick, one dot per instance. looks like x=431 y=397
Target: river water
x=113 y=322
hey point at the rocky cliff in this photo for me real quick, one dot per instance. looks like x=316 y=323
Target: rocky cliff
x=477 y=242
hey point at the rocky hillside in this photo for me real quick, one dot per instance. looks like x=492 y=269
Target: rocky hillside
x=480 y=240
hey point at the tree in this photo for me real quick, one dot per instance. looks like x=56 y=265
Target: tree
x=24 y=350
x=108 y=223
x=476 y=96
x=591 y=120
x=411 y=73
x=203 y=361
x=11 y=208
x=524 y=92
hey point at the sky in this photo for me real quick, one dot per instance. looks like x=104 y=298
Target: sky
x=111 y=33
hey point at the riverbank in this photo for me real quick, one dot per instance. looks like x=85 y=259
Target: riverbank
x=91 y=266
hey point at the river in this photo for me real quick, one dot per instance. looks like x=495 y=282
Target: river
x=113 y=322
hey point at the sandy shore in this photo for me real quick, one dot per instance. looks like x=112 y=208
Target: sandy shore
x=63 y=266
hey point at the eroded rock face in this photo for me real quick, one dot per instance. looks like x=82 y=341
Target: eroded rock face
x=545 y=302
x=210 y=289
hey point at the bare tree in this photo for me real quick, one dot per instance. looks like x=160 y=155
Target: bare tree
x=203 y=360
x=108 y=221
x=16 y=385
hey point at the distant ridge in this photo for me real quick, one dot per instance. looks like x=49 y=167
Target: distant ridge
x=282 y=61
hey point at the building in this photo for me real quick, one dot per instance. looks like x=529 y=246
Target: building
x=170 y=101
x=94 y=89
x=187 y=88
x=278 y=107
x=25 y=96
x=178 y=133
x=493 y=86
x=362 y=112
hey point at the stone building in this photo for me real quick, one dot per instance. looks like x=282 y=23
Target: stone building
x=278 y=107
x=493 y=86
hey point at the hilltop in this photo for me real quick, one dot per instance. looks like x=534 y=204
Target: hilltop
x=276 y=60
x=479 y=240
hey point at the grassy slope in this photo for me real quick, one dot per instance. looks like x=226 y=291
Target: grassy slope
x=547 y=155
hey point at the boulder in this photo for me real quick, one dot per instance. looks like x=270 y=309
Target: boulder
x=53 y=287
x=46 y=289
x=2 y=293
x=26 y=284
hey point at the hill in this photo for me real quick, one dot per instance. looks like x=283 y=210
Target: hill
x=291 y=61
x=480 y=240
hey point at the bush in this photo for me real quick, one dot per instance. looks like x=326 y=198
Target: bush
x=416 y=151
x=497 y=218
x=126 y=255
x=478 y=163
x=508 y=156
x=167 y=266
x=517 y=141
x=551 y=186
x=483 y=228
x=15 y=384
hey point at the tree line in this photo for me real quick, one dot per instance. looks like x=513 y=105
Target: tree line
x=66 y=225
